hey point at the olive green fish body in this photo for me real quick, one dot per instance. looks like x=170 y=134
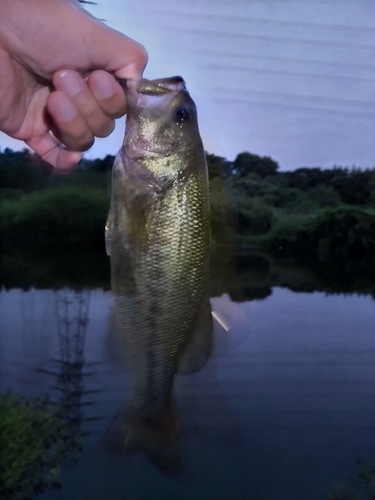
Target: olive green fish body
x=158 y=233
x=168 y=265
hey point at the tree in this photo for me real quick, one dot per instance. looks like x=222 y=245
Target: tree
x=218 y=166
x=246 y=163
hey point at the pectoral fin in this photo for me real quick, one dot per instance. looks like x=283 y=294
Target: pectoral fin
x=108 y=232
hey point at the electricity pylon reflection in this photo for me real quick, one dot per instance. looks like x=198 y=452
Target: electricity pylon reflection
x=72 y=309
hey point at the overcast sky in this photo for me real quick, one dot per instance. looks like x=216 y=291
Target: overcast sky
x=294 y=80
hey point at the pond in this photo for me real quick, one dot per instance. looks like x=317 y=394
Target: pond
x=283 y=409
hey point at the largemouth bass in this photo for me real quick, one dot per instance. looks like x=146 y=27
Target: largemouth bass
x=157 y=235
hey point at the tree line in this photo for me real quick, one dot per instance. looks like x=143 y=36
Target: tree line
x=319 y=218
x=252 y=175
x=252 y=203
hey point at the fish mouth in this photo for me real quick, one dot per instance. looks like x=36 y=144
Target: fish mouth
x=139 y=152
x=154 y=93
x=158 y=87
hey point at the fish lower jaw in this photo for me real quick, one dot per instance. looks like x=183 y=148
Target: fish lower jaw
x=136 y=153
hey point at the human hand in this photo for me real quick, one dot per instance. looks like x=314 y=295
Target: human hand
x=58 y=66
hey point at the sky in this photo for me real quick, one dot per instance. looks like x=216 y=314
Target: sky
x=294 y=80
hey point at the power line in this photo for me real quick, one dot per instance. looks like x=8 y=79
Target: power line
x=287 y=95
x=361 y=114
x=287 y=59
x=247 y=20
x=333 y=44
x=285 y=72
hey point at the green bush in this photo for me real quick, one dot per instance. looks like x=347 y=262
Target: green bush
x=254 y=217
x=346 y=232
x=337 y=234
x=223 y=220
x=34 y=443
x=62 y=217
x=325 y=196
x=301 y=205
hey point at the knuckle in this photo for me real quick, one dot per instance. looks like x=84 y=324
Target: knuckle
x=89 y=110
x=79 y=141
x=99 y=123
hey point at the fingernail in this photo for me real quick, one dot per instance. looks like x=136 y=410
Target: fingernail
x=65 y=110
x=69 y=83
x=103 y=88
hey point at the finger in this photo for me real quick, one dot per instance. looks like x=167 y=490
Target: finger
x=49 y=148
x=73 y=130
x=75 y=88
x=108 y=93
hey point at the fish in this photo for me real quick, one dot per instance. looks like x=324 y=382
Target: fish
x=158 y=239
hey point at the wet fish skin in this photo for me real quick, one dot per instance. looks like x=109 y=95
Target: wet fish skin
x=157 y=234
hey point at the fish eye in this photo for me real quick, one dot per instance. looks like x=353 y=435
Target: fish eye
x=181 y=115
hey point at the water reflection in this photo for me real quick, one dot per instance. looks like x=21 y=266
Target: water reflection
x=57 y=421
x=283 y=408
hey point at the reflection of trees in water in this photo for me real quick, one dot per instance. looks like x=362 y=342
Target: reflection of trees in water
x=259 y=272
x=54 y=270
x=244 y=274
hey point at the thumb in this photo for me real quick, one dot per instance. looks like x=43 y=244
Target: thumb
x=114 y=52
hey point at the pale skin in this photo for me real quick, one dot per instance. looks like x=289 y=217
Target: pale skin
x=58 y=69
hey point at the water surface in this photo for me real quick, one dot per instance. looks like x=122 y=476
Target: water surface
x=283 y=409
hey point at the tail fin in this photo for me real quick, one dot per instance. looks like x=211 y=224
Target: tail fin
x=157 y=438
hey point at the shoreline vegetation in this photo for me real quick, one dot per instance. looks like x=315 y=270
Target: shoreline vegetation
x=320 y=221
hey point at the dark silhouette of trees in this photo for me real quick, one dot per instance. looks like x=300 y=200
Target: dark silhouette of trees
x=354 y=187
x=247 y=163
x=218 y=166
x=22 y=170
